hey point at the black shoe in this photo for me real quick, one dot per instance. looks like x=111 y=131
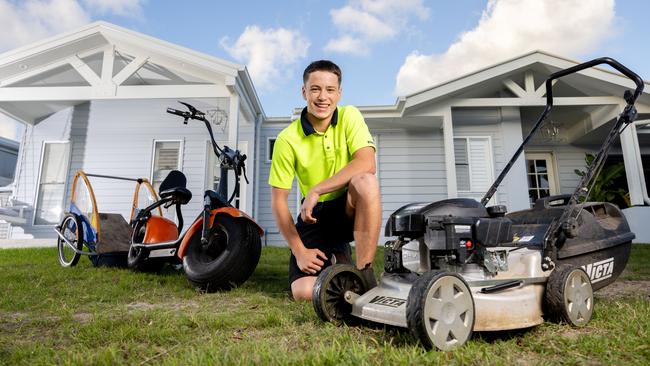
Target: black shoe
x=369 y=276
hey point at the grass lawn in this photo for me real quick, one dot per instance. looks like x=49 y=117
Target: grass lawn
x=85 y=315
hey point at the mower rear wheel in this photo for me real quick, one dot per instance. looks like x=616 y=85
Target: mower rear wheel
x=569 y=296
x=331 y=285
x=72 y=230
x=440 y=310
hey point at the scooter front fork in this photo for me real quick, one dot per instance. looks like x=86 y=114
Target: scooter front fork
x=206 y=220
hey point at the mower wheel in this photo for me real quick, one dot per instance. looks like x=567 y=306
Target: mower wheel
x=138 y=258
x=229 y=257
x=72 y=230
x=569 y=296
x=331 y=285
x=440 y=310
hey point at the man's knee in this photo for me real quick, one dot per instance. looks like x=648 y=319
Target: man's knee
x=365 y=185
x=302 y=288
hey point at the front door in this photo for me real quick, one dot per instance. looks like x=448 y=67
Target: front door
x=540 y=169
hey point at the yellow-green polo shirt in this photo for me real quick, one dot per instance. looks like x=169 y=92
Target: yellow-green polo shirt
x=314 y=156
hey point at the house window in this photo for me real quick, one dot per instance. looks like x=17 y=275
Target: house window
x=51 y=183
x=269 y=148
x=473 y=163
x=166 y=157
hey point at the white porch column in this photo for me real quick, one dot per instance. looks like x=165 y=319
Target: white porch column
x=515 y=185
x=450 y=159
x=633 y=165
x=233 y=121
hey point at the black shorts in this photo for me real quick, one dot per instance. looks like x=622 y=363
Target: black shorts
x=332 y=234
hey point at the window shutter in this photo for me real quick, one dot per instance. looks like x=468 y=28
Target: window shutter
x=473 y=163
x=480 y=164
x=462 y=164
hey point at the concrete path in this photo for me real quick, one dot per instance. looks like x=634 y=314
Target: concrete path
x=27 y=243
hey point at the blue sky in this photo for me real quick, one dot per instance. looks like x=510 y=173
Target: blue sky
x=385 y=47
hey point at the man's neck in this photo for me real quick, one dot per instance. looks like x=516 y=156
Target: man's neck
x=319 y=125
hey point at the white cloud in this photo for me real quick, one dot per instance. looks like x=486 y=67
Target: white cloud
x=347 y=44
x=362 y=23
x=269 y=54
x=31 y=20
x=119 y=7
x=509 y=28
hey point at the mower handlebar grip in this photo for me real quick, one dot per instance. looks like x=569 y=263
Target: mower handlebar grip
x=602 y=60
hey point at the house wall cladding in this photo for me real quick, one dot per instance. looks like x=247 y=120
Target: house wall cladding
x=265 y=215
x=411 y=168
x=116 y=138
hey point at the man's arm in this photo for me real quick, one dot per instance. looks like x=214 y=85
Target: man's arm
x=309 y=260
x=363 y=161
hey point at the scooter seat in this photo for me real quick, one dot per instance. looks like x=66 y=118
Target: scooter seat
x=180 y=194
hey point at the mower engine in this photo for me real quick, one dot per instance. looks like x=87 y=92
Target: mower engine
x=447 y=233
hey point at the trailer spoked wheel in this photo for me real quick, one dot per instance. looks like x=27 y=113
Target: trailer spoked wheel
x=330 y=290
x=440 y=310
x=72 y=230
x=569 y=296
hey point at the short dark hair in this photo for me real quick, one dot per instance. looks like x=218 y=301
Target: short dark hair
x=322 y=65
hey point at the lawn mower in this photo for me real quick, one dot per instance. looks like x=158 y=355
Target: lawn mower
x=457 y=266
x=221 y=248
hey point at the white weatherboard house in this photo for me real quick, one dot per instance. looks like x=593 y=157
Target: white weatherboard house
x=95 y=99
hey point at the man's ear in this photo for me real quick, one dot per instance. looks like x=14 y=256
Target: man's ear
x=304 y=93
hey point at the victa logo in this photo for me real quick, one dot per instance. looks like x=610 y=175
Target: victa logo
x=600 y=270
x=388 y=301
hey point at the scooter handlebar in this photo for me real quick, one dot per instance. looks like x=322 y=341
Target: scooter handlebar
x=178 y=113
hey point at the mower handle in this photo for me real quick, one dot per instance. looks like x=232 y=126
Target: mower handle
x=628 y=115
x=629 y=98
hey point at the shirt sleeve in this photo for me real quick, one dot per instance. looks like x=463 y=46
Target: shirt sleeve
x=357 y=133
x=282 y=165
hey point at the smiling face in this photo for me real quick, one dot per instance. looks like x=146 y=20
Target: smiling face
x=322 y=92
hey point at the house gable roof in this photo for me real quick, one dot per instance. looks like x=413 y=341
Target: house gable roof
x=540 y=62
x=478 y=88
x=105 y=61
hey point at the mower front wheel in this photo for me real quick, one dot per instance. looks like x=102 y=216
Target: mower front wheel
x=569 y=296
x=440 y=310
x=331 y=285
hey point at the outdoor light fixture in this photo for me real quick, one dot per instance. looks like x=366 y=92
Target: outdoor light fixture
x=217 y=117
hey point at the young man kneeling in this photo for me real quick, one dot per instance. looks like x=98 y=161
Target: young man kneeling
x=331 y=152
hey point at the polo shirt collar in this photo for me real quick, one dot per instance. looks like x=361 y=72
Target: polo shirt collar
x=307 y=128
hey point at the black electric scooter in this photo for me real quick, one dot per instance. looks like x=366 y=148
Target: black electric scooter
x=221 y=248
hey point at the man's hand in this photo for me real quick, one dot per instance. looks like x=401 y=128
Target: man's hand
x=310 y=260
x=307 y=206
